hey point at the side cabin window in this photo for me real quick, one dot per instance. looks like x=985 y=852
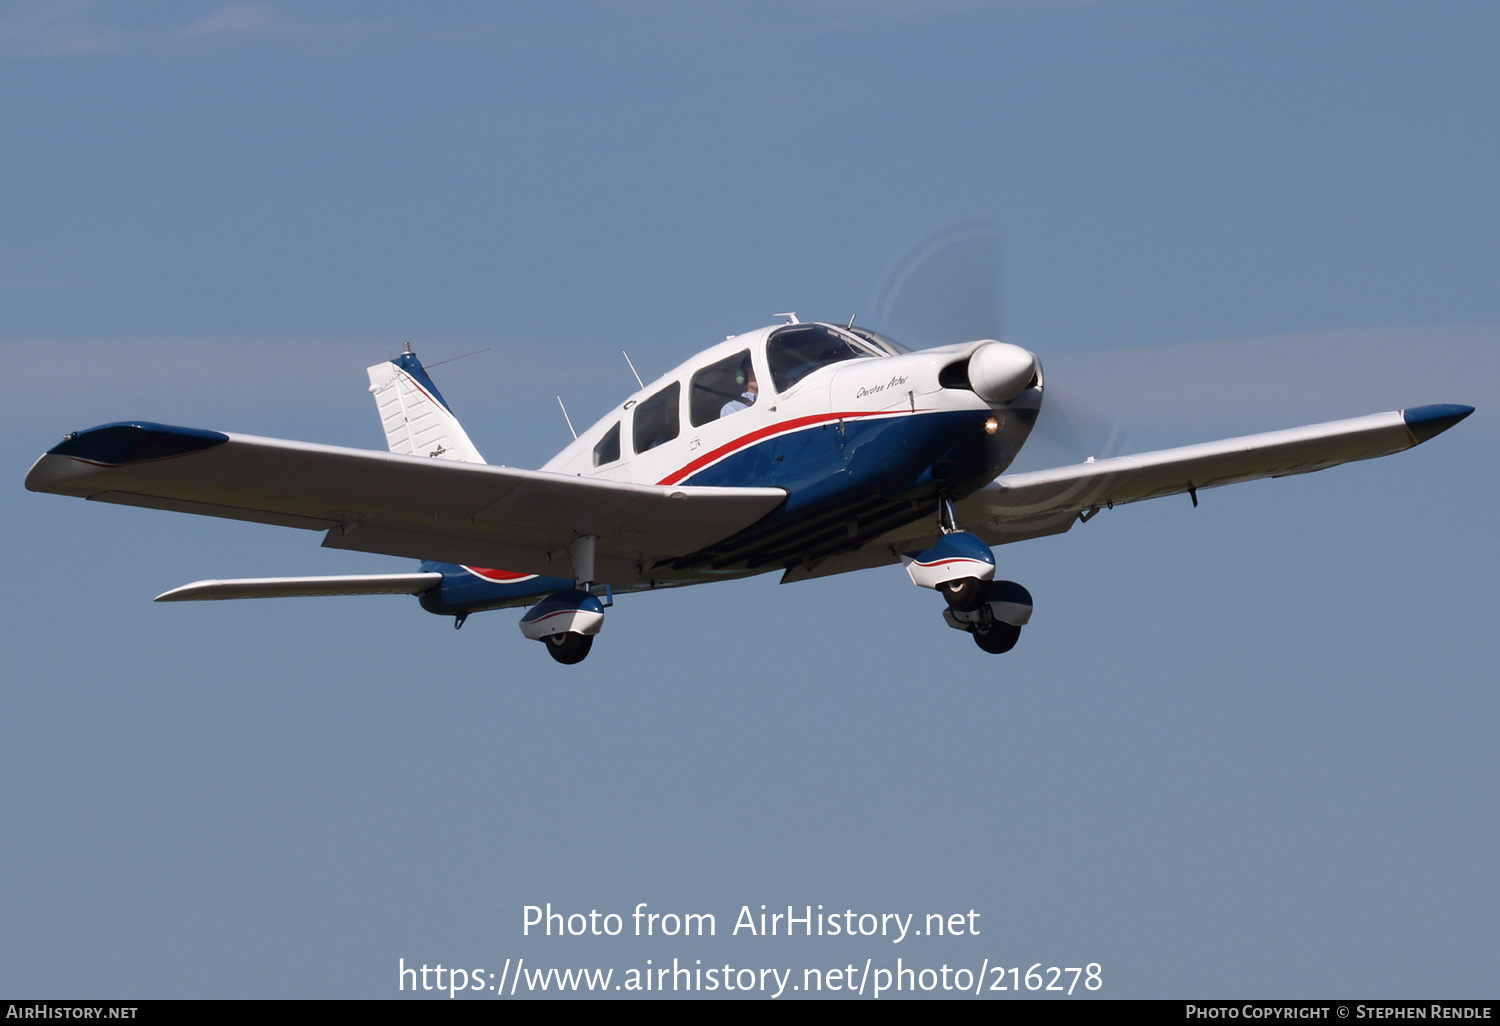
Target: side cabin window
x=656 y=419
x=796 y=351
x=722 y=388
x=608 y=449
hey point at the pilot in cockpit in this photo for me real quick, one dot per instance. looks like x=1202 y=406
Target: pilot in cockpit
x=745 y=378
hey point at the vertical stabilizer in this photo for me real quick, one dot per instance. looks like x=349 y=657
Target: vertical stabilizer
x=415 y=416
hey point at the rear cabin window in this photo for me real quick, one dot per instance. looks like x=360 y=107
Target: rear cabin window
x=656 y=419
x=796 y=352
x=721 y=389
x=608 y=449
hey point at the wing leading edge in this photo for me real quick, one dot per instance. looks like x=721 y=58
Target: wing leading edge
x=396 y=504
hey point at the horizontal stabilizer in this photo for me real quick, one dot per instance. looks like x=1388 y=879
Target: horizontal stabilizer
x=291 y=587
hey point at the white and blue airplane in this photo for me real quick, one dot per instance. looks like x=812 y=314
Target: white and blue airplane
x=807 y=449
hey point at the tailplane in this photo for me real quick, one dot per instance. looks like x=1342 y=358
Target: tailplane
x=415 y=416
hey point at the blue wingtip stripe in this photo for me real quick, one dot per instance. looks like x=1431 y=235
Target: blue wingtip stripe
x=1426 y=421
x=114 y=445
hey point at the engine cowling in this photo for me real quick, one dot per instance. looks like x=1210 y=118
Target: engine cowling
x=999 y=371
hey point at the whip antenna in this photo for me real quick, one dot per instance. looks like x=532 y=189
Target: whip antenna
x=637 y=373
x=567 y=418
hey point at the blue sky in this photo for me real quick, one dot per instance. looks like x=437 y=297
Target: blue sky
x=1243 y=750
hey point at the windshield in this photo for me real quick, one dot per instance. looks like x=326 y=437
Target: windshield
x=796 y=351
x=875 y=338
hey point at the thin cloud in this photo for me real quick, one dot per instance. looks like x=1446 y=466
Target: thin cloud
x=922 y=8
x=82 y=28
x=1173 y=394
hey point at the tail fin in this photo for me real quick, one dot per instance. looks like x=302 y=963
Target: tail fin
x=415 y=416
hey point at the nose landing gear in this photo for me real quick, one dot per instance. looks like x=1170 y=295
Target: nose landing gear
x=996 y=623
x=961 y=568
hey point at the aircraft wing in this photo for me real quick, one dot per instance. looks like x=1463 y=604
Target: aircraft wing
x=1109 y=482
x=1017 y=507
x=400 y=505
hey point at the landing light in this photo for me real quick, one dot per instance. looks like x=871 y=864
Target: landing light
x=991 y=426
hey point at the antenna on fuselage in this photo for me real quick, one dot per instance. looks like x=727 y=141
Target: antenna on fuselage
x=791 y=318
x=637 y=373
x=851 y=322
x=567 y=418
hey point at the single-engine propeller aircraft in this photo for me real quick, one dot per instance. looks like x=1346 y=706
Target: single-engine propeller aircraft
x=805 y=448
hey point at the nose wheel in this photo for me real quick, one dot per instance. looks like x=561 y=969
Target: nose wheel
x=995 y=621
x=997 y=637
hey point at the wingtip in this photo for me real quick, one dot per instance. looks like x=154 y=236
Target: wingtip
x=135 y=441
x=1426 y=422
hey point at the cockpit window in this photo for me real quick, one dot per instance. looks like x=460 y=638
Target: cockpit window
x=722 y=388
x=656 y=419
x=796 y=351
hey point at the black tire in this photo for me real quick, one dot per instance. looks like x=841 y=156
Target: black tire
x=965 y=594
x=568 y=648
x=998 y=637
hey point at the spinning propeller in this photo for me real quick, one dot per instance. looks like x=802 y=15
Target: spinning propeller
x=946 y=288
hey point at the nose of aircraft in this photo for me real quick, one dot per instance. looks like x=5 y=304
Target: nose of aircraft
x=999 y=371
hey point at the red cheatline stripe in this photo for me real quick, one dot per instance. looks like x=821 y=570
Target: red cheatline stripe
x=418 y=386
x=560 y=612
x=766 y=432
x=498 y=576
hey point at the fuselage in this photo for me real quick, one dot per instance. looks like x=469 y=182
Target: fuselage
x=862 y=434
